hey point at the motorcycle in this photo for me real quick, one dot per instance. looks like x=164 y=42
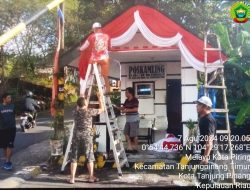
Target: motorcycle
x=27 y=121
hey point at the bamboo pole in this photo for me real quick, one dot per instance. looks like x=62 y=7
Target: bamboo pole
x=62 y=27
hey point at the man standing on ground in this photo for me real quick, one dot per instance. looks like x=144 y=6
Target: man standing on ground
x=130 y=108
x=7 y=129
x=207 y=127
x=99 y=44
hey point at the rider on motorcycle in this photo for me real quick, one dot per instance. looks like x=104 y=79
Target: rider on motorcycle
x=30 y=106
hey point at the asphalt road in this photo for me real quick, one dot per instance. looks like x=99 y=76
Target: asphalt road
x=35 y=135
x=32 y=136
x=24 y=140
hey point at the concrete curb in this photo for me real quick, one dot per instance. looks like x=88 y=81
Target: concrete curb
x=35 y=171
x=11 y=182
x=25 y=171
x=17 y=179
x=102 y=162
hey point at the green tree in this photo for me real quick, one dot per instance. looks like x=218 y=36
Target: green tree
x=36 y=45
x=237 y=68
x=37 y=42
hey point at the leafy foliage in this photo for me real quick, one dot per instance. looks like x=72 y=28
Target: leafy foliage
x=237 y=68
x=70 y=91
x=115 y=98
x=36 y=45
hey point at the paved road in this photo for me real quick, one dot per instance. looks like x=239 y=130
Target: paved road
x=32 y=136
x=38 y=134
x=24 y=140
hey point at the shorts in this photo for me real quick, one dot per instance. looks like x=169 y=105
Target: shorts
x=104 y=66
x=82 y=145
x=7 y=138
x=132 y=129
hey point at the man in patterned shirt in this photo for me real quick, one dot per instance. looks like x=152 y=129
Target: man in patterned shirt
x=83 y=136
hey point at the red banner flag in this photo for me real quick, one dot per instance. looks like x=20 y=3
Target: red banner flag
x=56 y=70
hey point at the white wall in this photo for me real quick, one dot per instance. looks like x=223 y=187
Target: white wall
x=189 y=93
x=114 y=69
x=189 y=90
x=172 y=71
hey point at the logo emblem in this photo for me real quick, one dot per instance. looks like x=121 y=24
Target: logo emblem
x=240 y=12
x=100 y=45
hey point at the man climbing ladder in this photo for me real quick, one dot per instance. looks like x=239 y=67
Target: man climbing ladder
x=97 y=46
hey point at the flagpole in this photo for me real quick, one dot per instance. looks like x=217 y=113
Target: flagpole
x=62 y=26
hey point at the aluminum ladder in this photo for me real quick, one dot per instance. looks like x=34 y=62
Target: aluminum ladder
x=209 y=83
x=111 y=122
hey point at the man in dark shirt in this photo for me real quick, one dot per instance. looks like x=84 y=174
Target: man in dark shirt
x=207 y=127
x=130 y=108
x=30 y=104
x=7 y=129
